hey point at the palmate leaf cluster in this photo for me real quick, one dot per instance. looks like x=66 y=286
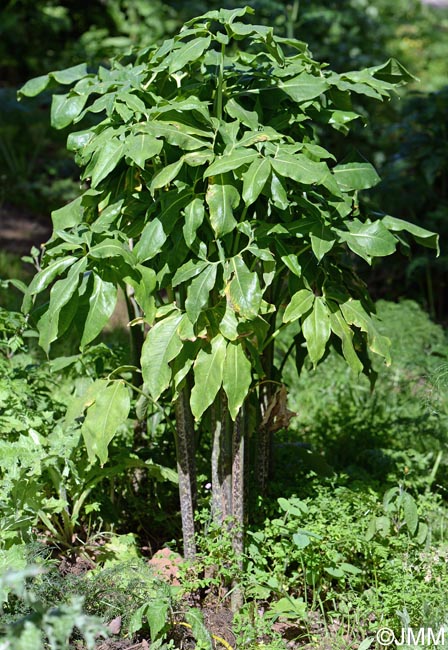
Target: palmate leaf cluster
x=207 y=192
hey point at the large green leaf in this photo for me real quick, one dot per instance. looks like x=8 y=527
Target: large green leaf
x=144 y=289
x=316 y=330
x=299 y=168
x=356 y=176
x=189 y=270
x=141 y=147
x=34 y=86
x=69 y=215
x=189 y=52
x=102 y=303
x=304 y=87
x=248 y=118
x=300 y=303
x=421 y=235
x=368 y=239
x=109 y=410
x=162 y=345
x=194 y=216
x=198 y=292
x=322 y=243
x=112 y=248
x=151 y=240
x=105 y=159
x=343 y=331
x=178 y=134
x=60 y=294
x=65 y=108
x=255 y=179
x=49 y=273
x=70 y=75
x=208 y=373
x=355 y=314
x=237 y=377
x=156 y=231
x=244 y=290
x=166 y=175
x=234 y=160
x=222 y=199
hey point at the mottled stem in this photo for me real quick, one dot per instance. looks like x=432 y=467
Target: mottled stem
x=186 y=471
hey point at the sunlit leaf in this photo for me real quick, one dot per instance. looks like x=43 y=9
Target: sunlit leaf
x=237 y=377
x=109 y=410
x=208 y=373
x=316 y=330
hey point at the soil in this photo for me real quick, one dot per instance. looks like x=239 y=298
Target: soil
x=20 y=230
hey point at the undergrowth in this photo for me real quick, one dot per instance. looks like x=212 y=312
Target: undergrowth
x=351 y=537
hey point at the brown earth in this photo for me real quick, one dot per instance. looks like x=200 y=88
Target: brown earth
x=20 y=230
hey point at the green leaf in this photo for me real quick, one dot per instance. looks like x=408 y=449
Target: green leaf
x=178 y=134
x=194 y=216
x=244 y=290
x=60 y=295
x=202 y=636
x=300 y=303
x=34 y=86
x=151 y=240
x=156 y=232
x=198 y=158
x=189 y=270
x=316 y=330
x=69 y=215
x=48 y=274
x=105 y=159
x=65 y=109
x=208 y=373
x=198 y=292
x=157 y=616
x=367 y=643
x=166 y=175
x=410 y=512
x=304 y=87
x=322 y=243
x=278 y=193
x=112 y=248
x=162 y=345
x=109 y=410
x=237 y=377
x=232 y=161
x=191 y=51
x=141 y=147
x=222 y=199
x=343 y=331
x=368 y=239
x=144 y=289
x=228 y=325
x=102 y=303
x=299 y=168
x=255 y=179
x=356 y=176
x=301 y=540
x=355 y=314
x=248 y=118
x=421 y=235
x=70 y=75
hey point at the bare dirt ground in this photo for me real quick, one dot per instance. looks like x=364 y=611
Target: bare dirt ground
x=20 y=230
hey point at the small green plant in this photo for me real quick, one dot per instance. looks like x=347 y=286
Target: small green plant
x=46 y=627
x=400 y=511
